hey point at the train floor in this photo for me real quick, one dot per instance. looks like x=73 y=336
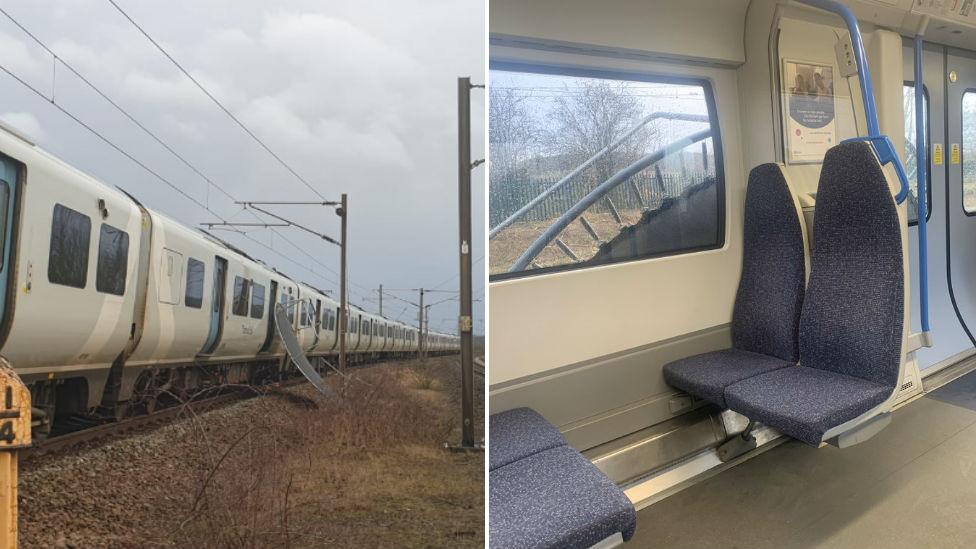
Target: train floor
x=913 y=485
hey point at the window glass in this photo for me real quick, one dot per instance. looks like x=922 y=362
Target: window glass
x=68 y=258
x=113 y=260
x=303 y=319
x=194 y=283
x=257 y=300
x=911 y=154
x=240 y=296
x=599 y=169
x=4 y=206
x=969 y=152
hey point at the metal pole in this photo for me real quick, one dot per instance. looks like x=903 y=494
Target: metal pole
x=420 y=327
x=381 y=300
x=426 y=328
x=343 y=297
x=464 y=214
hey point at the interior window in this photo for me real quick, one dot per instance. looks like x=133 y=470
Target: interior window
x=68 y=257
x=240 y=296
x=969 y=152
x=911 y=155
x=194 y=283
x=113 y=260
x=257 y=300
x=589 y=168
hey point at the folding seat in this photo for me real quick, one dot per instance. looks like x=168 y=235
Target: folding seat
x=544 y=494
x=766 y=312
x=852 y=316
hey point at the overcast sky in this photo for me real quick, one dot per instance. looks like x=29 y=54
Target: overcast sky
x=358 y=96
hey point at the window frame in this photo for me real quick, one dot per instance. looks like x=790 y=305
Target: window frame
x=186 y=282
x=244 y=296
x=254 y=286
x=98 y=260
x=718 y=156
x=962 y=154
x=87 y=248
x=928 y=153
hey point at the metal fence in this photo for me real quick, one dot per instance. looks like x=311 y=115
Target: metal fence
x=644 y=190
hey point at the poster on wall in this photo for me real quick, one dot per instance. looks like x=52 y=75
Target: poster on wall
x=811 y=127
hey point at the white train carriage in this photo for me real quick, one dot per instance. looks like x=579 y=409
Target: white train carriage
x=106 y=303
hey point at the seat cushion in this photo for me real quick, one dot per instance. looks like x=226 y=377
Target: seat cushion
x=707 y=375
x=804 y=402
x=555 y=498
x=518 y=433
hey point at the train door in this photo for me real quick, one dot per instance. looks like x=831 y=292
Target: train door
x=959 y=201
x=10 y=172
x=317 y=322
x=217 y=306
x=269 y=337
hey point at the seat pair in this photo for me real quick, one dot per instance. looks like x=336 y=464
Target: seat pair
x=805 y=361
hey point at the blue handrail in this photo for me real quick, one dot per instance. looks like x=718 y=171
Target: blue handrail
x=922 y=167
x=881 y=143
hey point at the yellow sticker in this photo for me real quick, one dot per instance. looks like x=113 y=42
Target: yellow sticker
x=937 y=154
x=956 y=156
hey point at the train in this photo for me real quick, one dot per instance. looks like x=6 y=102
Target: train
x=106 y=305
x=732 y=273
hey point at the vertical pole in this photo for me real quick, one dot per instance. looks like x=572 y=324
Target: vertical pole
x=464 y=222
x=343 y=297
x=420 y=327
x=426 y=329
x=381 y=300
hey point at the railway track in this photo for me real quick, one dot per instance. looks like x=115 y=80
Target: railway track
x=86 y=435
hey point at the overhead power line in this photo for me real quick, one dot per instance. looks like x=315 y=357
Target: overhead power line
x=165 y=145
x=217 y=102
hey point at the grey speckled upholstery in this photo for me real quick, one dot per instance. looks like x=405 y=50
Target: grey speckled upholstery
x=766 y=314
x=851 y=322
x=519 y=433
x=804 y=402
x=555 y=499
x=707 y=375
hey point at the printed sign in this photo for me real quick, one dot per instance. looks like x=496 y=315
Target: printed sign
x=809 y=106
x=956 y=155
x=937 y=154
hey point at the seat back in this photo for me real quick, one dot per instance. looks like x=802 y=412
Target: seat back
x=766 y=315
x=853 y=313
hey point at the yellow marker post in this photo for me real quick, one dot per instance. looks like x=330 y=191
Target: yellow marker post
x=15 y=434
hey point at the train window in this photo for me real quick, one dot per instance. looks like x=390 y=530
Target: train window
x=911 y=158
x=969 y=152
x=195 y=270
x=4 y=202
x=303 y=319
x=589 y=168
x=240 y=296
x=68 y=257
x=113 y=260
x=257 y=300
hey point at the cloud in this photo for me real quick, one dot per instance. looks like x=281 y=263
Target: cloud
x=25 y=123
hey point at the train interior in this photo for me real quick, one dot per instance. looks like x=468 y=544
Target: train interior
x=732 y=273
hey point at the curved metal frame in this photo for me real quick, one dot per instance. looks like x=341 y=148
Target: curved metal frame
x=596 y=194
x=589 y=162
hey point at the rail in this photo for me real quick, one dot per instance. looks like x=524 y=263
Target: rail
x=881 y=143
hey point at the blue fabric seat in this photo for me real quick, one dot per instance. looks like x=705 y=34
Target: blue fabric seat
x=804 y=402
x=853 y=314
x=555 y=499
x=707 y=375
x=766 y=313
x=519 y=433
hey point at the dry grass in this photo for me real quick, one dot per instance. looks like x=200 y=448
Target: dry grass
x=365 y=471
